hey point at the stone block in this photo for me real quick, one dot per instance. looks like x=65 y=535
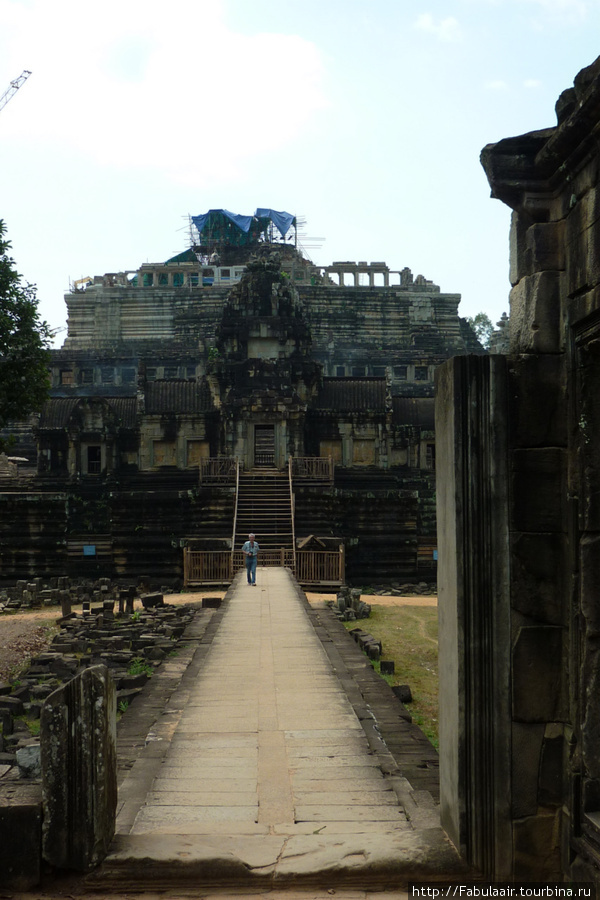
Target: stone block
x=536 y=848
x=20 y=837
x=538 y=564
x=552 y=767
x=387 y=667
x=535 y=314
x=538 y=479
x=544 y=244
x=79 y=783
x=538 y=401
x=582 y=239
x=28 y=761
x=589 y=548
x=151 y=601
x=11 y=704
x=526 y=752
x=403 y=692
x=538 y=664
x=517 y=245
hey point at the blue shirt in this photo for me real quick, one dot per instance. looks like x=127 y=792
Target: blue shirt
x=252 y=550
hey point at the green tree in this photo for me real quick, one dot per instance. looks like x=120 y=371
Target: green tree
x=24 y=342
x=483 y=327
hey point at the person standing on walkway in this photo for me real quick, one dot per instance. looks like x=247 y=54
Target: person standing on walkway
x=251 y=549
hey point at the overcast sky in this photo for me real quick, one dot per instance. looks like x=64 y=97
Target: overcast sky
x=365 y=117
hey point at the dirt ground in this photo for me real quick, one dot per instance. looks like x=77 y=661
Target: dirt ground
x=24 y=634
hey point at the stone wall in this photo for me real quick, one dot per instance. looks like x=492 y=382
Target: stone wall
x=551 y=801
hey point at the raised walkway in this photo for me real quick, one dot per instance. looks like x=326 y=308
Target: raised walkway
x=267 y=767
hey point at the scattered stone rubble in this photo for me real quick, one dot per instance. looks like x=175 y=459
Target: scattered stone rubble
x=349 y=606
x=396 y=589
x=66 y=591
x=130 y=643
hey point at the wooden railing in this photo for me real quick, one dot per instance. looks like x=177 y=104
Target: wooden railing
x=292 y=508
x=314 y=567
x=311 y=567
x=313 y=468
x=218 y=470
x=206 y=567
x=237 y=494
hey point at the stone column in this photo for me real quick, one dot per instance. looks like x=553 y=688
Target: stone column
x=79 y=771
x=474 y=610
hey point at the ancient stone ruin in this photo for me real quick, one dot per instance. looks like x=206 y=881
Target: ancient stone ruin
x=519 y=527
x=238 y=351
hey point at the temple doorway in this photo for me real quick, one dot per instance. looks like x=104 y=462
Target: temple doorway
x=264 y=445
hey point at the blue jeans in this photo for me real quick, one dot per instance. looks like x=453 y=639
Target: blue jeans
x=251 y=569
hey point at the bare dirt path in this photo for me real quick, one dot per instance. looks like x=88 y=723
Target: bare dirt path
x=22 y=635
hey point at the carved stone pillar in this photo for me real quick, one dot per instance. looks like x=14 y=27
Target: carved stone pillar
x=79 y=770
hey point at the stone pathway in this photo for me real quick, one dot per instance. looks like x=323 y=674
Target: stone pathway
x=260 y=771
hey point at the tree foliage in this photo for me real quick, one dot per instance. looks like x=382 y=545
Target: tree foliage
x=24 y=342
x=483 y=327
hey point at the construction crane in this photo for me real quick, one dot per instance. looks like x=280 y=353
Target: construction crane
x=14 y=87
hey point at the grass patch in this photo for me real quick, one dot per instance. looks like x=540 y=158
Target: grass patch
x=409 y=635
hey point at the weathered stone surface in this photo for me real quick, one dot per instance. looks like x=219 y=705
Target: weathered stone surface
x=538 y=663
x=535 y=314
x=538 y=387
x=539 y=566
x=539 y=490
x=536 y=848
x=582 y=251
x=526 y=752
x=78 y=742
x=545 y=247
x=28 y=761
x=20 y=837
x=551 y=775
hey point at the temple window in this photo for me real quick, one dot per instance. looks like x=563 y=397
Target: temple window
x=94 y=460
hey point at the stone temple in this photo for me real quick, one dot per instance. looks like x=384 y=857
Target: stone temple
x=179 y=379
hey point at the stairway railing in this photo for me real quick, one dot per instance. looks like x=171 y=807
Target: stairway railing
x=235 y=511
x=292 y=509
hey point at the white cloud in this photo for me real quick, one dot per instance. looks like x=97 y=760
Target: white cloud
x=532 y=83
x=126 y=84
x=447 y=30
x=496 y=85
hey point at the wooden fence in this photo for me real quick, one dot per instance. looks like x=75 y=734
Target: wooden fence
x=313 y=567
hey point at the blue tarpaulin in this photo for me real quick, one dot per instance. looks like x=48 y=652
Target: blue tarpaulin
x=282 y=220
x=241 y=222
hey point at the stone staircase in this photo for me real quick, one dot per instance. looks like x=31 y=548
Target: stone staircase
x=264 y=507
